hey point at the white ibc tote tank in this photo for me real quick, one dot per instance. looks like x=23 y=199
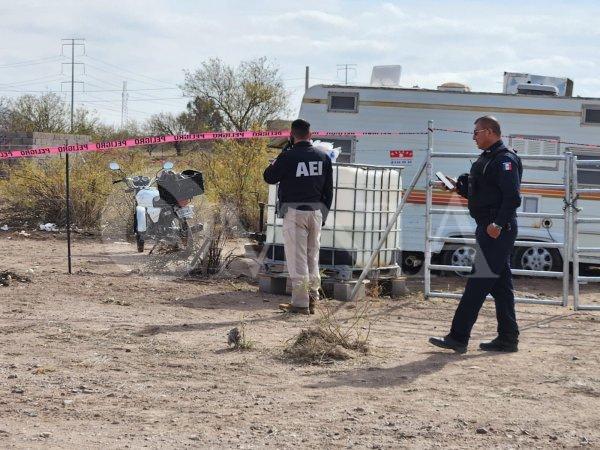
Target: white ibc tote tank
x=364 y=200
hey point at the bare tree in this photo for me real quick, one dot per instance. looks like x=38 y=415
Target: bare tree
x=85 y=121
x=201 y=115
x=4 y=114
x=46 y=113
x=167 y=123
x=245 y=97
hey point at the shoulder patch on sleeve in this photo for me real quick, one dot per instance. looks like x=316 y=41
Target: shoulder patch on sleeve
x=507 y=166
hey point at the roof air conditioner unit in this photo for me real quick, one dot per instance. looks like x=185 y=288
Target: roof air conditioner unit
x=537 y=89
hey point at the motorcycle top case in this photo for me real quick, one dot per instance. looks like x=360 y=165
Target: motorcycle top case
x=173 y=187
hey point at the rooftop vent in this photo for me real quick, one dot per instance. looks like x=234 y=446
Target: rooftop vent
x=537 y=89
x=513 y=82
x=454 y=87
x=386 y=76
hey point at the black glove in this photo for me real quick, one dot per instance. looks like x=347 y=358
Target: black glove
x=462 y=185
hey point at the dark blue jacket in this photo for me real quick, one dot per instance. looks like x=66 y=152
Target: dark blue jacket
x=494 y=182
x=305 y=178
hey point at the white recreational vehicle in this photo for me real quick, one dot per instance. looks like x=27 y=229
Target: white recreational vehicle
x=534 y=112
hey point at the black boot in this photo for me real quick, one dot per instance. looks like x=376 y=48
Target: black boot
x=500 y=345
x=449 y=343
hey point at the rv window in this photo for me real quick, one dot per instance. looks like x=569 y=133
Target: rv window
x=530 y=204
x=591 y=115
x=536 y=146
x=587 y=175
x=343 y=102
x=345 y=145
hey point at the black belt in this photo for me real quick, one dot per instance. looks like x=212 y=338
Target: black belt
x=305 y=208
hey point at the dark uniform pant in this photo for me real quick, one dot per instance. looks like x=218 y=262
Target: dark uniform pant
x=491 y=275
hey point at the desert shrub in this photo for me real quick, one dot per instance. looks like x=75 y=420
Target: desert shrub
x=233 y=172
x=33 y=190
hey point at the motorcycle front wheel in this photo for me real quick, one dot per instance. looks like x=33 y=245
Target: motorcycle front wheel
x=139 y=237
x=139 y=240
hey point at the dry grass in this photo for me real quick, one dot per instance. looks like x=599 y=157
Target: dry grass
x=319 y=345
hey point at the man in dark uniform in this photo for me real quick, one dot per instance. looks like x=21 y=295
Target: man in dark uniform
x=492 y=190
x=305 y=178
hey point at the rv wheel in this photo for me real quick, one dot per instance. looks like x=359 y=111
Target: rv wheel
x=537 y=258
x=461 y=255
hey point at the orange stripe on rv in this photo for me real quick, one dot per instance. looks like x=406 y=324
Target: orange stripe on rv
x=450 y=198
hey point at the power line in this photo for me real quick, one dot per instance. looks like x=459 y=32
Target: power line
x=95 y=90
x=45 y=78
x=100 y=80
x=86 y=102
x=32 y=62
x=151 y=99
x=129 y=71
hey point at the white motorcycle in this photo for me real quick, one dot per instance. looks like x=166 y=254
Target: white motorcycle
x=163 y=205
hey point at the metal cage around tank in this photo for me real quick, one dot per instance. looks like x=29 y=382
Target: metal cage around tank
x=344 y=250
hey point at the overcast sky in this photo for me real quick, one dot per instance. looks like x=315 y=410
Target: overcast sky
x=149 y=43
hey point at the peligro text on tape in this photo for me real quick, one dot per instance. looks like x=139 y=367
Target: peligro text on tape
x=153 y=140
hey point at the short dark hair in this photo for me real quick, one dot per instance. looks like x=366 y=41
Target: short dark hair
x=300 y=129
x=490 y=122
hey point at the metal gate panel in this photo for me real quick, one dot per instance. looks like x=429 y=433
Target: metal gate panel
x=565 y=216
x=576 y=221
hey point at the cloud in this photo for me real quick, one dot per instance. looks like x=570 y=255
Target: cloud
x=315 y=17
x=433 y=41
x=392 y=9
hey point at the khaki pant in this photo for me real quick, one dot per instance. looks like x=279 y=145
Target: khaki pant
x=301 y=236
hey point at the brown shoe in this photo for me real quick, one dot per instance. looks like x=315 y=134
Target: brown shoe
x=289 y=308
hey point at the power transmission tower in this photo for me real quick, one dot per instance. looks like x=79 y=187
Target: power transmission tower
x=346 y=68
x=124 y=98
x=70 y=43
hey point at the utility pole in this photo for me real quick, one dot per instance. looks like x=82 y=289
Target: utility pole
x=306 y=77
x=346 y=68
x=70 y=43
x=124 y=98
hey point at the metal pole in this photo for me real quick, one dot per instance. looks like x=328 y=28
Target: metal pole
x=67 y=164
x=428 y=205
x=389 y=227
x=566 y=234
x=575 y=233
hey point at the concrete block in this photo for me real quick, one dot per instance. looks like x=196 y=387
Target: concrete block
x=327 y=286
x=271 y=284
x=343 y=290
x=399 y=288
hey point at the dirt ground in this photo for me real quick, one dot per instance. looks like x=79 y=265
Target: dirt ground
x=109 y=358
